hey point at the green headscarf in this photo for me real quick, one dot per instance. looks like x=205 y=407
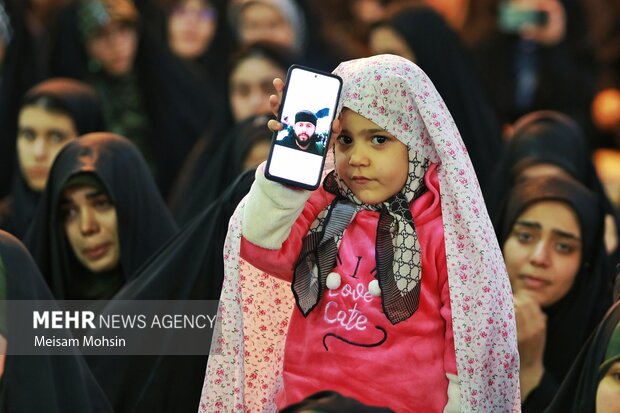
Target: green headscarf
x=613 y=352
x=92 y=14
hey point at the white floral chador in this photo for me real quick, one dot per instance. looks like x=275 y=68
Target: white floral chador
x=244 y=372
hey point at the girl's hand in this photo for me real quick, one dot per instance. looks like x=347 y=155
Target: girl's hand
x=274 y=102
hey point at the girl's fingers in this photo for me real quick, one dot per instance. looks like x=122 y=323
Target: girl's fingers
x=275 y=100
x=274 y=125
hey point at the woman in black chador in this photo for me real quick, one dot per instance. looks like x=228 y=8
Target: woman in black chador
x=592 y=383
x=51 y=114
x=190 y=266
x=148 y=95
x=99 y=219
x=51 y=384
x=551 y=238
x=421 y=35
x=550 y=143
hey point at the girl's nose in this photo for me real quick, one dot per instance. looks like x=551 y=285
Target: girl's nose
x=358 y=156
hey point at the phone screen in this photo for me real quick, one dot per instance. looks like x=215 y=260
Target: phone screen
x=308 y=108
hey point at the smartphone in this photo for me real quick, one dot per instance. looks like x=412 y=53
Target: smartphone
x=513 y=17
x=307 y=110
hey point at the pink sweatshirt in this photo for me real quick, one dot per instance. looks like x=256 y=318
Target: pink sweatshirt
x=346 y=343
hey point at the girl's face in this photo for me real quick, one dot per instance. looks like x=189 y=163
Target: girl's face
x=191 y=27
x=371 y=161
x=251 y=83
x=91 y=226
x=543 y=251
x=114 y=46
x=41 y=135
x=608 y=392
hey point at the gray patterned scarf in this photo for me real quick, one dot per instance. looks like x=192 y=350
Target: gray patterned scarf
x=397 y=249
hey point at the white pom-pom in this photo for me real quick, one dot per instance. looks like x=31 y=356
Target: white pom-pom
x=333 y=280
x=374 y=289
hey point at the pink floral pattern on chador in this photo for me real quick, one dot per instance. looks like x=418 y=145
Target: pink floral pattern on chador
x=244 y=372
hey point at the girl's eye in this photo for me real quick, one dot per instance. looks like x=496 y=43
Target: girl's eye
x=379 y=140
x=344 y=140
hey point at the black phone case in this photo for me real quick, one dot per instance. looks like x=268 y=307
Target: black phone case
x=274 y=135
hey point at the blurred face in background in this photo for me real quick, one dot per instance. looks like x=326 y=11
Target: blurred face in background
x=608 y=391
x=114 y=46
x=251 y=83
x=384 y=39
x=41 y=135
x=191 y=27
x=262 y=22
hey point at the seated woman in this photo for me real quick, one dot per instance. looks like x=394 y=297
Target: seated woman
x=42 y=383
x=52 y=114
x=592 y=385
x=101 y=217
x=551 y=238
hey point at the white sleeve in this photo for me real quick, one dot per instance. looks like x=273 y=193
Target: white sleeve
x=454 y=395
x=270 y=211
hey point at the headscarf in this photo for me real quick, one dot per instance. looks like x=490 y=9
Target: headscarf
x=439 y=52
x=76 y=100
x=172 y=383
x=578 y=391
x=213 y=168
x=571 y=320
x=144 y=223
x=289 y=9
x=396 y=95
x=94 y=14
x=545 y=137
x=54 y=384
x=398 y=252
x=171 y=107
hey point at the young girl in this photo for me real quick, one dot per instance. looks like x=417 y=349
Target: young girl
x=400 y=294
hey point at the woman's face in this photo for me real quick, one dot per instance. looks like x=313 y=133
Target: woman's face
x=91 y=227
x=41 y=135
x=608 y=391
x=262 y=22
x=251 y=83
x=191 y=27
x=114 y=46
x=543 y=251
x=384 y=39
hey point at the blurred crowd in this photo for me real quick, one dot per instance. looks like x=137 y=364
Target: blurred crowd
x=130 y=130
